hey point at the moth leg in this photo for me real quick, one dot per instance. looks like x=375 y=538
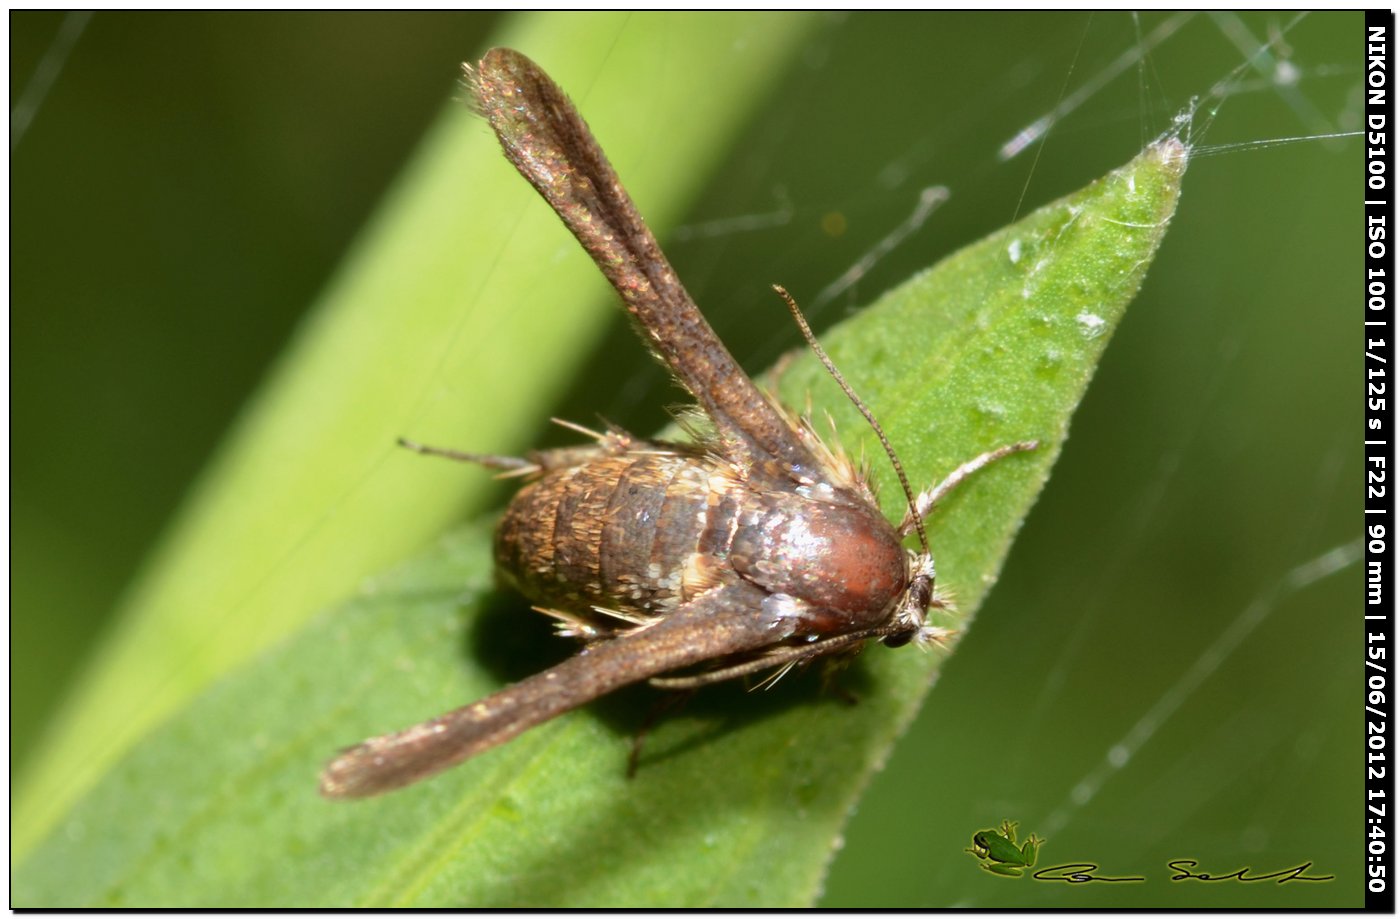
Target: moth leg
x=926 y=501
x=610 y=443
x=509 y=465
x=773 y=379
x=783 y=657
x=665 y=706
x=831 y=671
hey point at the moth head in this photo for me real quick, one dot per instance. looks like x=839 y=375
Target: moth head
x=908 y=623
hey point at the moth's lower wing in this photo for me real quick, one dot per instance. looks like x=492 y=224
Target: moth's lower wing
x=546 y=139
x=724 y=621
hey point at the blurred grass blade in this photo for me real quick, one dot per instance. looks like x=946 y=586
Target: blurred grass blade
x=741 y=798
x=302 y=502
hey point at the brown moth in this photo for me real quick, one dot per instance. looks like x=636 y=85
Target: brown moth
x=757 y=547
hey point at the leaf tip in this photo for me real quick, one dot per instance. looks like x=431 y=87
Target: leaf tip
x=1171 y=153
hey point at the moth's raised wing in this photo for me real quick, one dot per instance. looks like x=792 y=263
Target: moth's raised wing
x=545 y=137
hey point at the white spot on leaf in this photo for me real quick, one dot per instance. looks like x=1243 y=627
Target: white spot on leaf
x=1092 y=326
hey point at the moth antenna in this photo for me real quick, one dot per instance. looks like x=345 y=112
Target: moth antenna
x=820 y=352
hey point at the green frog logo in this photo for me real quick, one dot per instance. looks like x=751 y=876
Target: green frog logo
x=998 y=851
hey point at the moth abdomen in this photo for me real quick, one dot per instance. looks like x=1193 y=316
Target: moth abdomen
x=638 y=532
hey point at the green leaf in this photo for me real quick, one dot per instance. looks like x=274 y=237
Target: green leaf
x=740 y=798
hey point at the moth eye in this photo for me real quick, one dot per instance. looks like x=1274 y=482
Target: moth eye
x=898 y=640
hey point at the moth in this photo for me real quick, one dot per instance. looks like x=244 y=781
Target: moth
x=754 y=547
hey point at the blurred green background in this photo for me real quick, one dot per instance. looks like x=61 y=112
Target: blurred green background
x=191 y=181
